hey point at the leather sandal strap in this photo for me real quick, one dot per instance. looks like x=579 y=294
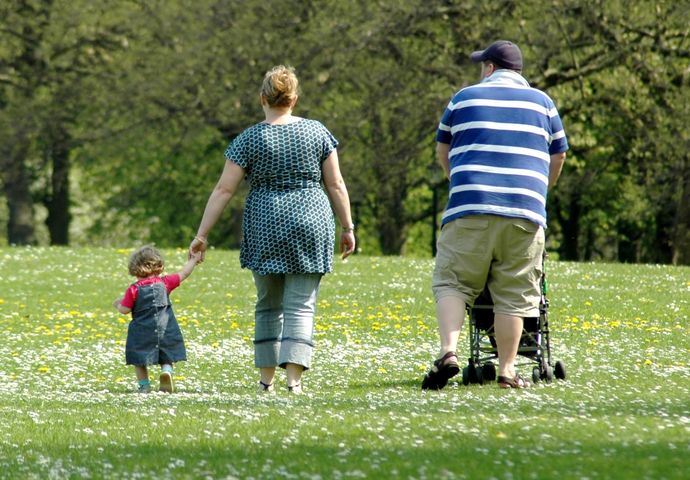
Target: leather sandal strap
x=445 y=357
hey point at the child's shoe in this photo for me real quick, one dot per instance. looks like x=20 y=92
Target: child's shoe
x=166 y=381
x=144 y=387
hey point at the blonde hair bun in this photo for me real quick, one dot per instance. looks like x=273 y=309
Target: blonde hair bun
x=280 y=87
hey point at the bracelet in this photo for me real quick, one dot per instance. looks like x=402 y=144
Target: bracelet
x=196 y=237
x=348 y=229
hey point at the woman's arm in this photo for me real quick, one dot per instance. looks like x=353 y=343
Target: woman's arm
x=223 y=192
x=340 y=200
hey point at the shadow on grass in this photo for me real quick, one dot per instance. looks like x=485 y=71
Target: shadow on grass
x=347 y=454
x=385 y=383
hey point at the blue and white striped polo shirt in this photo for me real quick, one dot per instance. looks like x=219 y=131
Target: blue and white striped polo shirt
x=501 y=133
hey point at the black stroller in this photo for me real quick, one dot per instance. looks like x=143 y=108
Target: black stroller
x=534 y=347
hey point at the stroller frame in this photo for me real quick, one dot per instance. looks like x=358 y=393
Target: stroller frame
x=534 y=348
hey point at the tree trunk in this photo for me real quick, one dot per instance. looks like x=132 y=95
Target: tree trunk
x=680 y=247
x=391 y=222
x=570 y=226
x=16 y=183
x=391 y=236
x=58 y=201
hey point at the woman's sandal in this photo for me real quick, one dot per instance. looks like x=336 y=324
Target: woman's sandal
x=296 y=389
x=516 y=382
x=265 y=387
x=441 y=371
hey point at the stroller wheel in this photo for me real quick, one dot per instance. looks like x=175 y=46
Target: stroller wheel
x=559 y=370
x=536 y=375
x=466 y=376
x=474 y=374
x=548 y=374
x=489 y=372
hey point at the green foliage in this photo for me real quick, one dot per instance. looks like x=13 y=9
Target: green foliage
x=114 y=98
x=68 y=407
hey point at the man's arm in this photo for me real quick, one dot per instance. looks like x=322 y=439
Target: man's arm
x=555 y=167
x=442 y=151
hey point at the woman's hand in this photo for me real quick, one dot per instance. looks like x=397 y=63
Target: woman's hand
x=347 y=243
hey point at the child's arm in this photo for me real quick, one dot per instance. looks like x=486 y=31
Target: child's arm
x=120 y=308
x=188 y=268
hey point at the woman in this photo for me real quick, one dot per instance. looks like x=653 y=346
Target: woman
x=288 y=227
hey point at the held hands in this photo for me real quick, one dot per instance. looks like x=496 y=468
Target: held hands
x=197 y=249
x=196 y=257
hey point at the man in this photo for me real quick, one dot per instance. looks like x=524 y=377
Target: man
x=502 y=145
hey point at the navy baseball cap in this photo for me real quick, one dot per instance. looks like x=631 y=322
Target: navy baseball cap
x=503 y=53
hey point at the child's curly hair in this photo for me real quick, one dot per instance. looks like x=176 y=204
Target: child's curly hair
x=145 y=262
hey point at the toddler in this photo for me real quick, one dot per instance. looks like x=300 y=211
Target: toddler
x=153 y=337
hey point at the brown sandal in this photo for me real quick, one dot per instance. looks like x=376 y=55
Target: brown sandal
x=442 y=370
x=516 y=382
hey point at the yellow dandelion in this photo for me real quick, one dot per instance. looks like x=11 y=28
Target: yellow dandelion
x=43 y=369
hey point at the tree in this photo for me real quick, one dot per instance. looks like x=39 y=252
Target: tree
x=617 y=71
x=139 y=99
x=51 y=49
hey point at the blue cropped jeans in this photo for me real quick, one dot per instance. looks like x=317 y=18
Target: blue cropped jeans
x=284 y=319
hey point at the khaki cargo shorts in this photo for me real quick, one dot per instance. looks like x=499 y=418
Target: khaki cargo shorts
x=502 y=253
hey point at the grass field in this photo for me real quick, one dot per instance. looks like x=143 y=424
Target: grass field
x=67 y=407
